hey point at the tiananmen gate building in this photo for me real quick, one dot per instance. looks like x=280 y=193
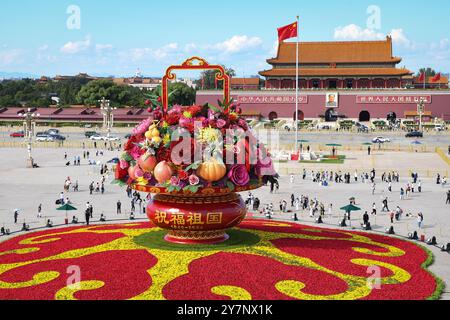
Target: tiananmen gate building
x=359 y=80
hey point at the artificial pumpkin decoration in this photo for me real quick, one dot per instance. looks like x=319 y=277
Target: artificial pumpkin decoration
x=147 y=162
x=212 y=170
x=163 y=172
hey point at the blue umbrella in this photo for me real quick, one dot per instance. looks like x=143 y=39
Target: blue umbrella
x=416 y=142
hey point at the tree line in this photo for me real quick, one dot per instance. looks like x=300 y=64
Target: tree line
x=82 y=91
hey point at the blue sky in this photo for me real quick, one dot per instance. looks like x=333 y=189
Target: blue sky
x=116 y=37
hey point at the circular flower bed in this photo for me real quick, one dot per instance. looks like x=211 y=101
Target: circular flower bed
x=261 y=260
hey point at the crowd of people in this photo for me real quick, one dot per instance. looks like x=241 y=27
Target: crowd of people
x=319 y=210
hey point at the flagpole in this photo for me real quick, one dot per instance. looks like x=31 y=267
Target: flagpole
x=425 y=80
x=296 y=91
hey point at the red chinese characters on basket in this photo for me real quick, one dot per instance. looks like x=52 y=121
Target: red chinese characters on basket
x=190 y=221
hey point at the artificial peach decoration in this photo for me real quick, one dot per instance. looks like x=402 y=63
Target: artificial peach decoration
x=147 y=162
x=132 y=172
x=212 y=170
x=163 y=172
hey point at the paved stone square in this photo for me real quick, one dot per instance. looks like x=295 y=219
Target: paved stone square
x=25 y=189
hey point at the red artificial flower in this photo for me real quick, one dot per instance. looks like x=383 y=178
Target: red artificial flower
x=233 y=116
x=148 y=102
x=163 y=154
x=172 y=118
x=131 y=143
x=159 y=99
x=120 y=173
x=182 y=175
x=194 y=110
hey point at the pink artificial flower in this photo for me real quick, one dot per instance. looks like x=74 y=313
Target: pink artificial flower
x=142 y=127
x=265 y=167
x=238 y=175
x=136 y=152
x=124 y=164
x=194 y=180
x=138 y=173
x=175 y=181
x=221 y=123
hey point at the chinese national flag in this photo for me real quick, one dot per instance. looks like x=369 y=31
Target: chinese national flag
x=287 y=32
x=437 y=77
x=422 y=77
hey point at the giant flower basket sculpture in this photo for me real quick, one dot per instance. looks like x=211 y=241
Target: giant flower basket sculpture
x=195 y=160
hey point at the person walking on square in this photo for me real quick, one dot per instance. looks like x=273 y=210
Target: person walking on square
x=390 y=187
x=374 y=209
x=385 y=205
x=119 y=207
x=16 y=215
x=39 y=215
x=373 y=187
x=392 y=215
x=402 y=193
x=420 y=220
x=87 y=215
x=133 y=208
x=448 y=197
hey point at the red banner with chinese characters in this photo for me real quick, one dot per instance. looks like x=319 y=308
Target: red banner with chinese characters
x=254 y=99
x=392 y=99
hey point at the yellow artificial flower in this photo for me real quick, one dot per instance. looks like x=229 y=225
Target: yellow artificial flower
x=141 y=181
x=209 y=135
x=166 y=139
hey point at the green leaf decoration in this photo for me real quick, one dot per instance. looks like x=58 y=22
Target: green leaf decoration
x=230 y=185
x=127 y=157
x=214 y=108
x=194 y=166
x=119 y=182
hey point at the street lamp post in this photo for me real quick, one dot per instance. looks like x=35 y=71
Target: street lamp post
x=420 y=111
x=108 y=116
x=29 y=126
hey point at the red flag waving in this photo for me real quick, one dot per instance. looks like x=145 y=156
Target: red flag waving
x=422 y=77
x=287 y=32
x=437 y=77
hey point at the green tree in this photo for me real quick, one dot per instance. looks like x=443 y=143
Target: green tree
x=429 y=72
x=180 y=93
x=119 y=96
x=209 y=76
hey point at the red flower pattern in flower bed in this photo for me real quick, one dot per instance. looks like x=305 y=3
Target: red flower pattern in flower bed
x=286 y=261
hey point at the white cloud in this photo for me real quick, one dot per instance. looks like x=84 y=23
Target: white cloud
x=399 y=37
x=355 y=32
x=77 y=46
x=141 y=54
x=164 y=51
x=43 y=47
x=237 y=44
x=8 y=57
x=190 y=47
x=103 y=47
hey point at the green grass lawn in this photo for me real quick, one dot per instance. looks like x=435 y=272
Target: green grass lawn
x=328 y=160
